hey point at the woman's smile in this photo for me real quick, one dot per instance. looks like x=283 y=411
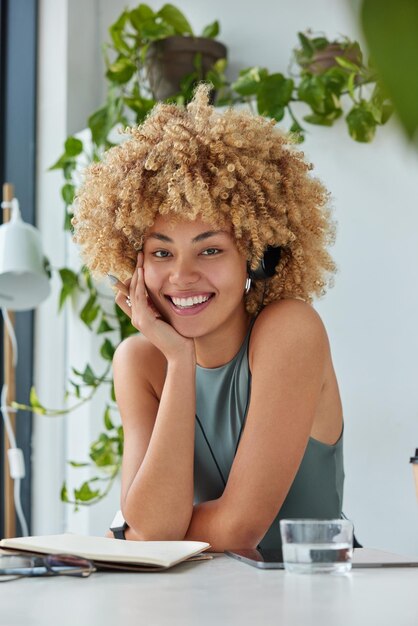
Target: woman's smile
x=191 y=304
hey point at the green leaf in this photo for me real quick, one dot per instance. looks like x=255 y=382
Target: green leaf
x=319 y=43
x=73 y=147
x=76 y=387
x=68 y=277
x=312 y=91
x=141 y=14
x=69 y=284
x=214 y=79
x=104 y=326
x=153 y=31
x=334 y=80
x=90 y=310
x=298 y=132
x=141 y=106
x=107 y=419
x=87 y=277
x=319 y=93
x=63 y=162
x=249 y=80
x=220 y=66
x=273 y=95
x=68 y=168
x=121 y=71
x=361 y=123
x=89 y=377
x=380 y=106
x=116 y=31
x=85 y=493
x=102 y=451
x=112 y=392
x=125 y=327
x=76 y=464
x=197 y=63
x=319 y=120
x=346 y=64
x=107 y=350
x=100 y=125
x=64 y=493
x=391 y=30
x=211 y=30
x=173 y=16
x=68 y=193
x=68 y=216
x=351 y=85
x=120 y=440
x=35 y=403
x=306 y=44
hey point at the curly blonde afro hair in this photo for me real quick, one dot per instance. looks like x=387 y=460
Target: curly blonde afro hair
x=230 y=168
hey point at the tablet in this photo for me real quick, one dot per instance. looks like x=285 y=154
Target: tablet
x=362 y=557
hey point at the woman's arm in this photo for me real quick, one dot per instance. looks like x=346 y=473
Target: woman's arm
x=290 y=352
x=157 y=472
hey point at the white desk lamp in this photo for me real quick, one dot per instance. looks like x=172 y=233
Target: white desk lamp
x=24 y=283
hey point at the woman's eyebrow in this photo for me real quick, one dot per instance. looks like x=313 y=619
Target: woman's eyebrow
x=200 y=237
x=207 y=234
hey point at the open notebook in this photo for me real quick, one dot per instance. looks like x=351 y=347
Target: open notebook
x=112 y=554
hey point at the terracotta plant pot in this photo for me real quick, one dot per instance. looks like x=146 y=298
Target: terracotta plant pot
x=169 y=60
x=325 y=59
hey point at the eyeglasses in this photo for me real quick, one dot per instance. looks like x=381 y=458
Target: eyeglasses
x=17 y=566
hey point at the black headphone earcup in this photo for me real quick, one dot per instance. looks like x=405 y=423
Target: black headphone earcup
x=268 y=264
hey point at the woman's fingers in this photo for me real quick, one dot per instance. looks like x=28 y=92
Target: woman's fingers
x=122 y=302
x=115 y=282
x=132 y=296
x=122 y=295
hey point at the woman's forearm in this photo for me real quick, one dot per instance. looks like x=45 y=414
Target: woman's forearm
x=159 y=502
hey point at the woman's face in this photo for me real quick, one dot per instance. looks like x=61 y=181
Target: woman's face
x=195 y=275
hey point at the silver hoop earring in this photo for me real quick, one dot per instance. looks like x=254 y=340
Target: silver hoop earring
x=247 y=285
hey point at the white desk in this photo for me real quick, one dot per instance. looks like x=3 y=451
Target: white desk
x=221 y=592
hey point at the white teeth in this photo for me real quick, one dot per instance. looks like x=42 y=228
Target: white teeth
x=187 y=302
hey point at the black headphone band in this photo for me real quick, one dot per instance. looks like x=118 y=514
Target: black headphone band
x=267 y=266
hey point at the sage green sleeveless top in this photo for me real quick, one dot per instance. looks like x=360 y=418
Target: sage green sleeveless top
x=222 y=400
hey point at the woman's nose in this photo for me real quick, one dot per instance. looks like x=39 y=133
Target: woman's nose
x=183 y=272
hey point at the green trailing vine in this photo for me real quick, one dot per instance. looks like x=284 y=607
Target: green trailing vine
x=329 y=77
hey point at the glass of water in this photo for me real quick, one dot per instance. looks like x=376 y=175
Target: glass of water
x=312 y=546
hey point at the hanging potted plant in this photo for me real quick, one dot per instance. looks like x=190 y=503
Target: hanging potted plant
x=176 y=63
x=161 y=50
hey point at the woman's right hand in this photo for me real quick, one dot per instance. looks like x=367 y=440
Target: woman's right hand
x=135 y=301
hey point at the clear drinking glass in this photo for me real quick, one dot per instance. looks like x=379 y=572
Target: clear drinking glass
x=313 y=546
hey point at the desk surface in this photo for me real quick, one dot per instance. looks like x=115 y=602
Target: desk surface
x=220 y=592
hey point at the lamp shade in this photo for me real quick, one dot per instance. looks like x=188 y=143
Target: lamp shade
x=24 y=281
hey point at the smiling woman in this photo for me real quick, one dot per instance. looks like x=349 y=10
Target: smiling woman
x=229 y=401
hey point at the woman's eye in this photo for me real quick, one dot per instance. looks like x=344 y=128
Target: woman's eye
x=211 y=251
x=161 y=254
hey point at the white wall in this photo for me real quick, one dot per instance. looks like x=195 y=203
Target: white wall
x=370 y=314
